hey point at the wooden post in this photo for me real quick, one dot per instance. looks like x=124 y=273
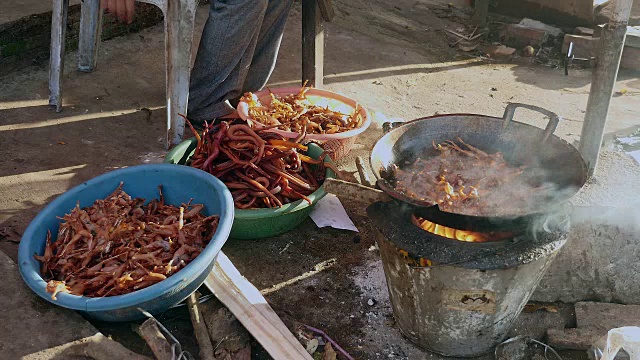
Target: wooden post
x=90 y=30
x=312 y=43
x=604 y=79
x=481 y=11
x=56 y=61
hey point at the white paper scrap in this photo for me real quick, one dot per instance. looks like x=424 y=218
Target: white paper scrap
x=330 y=212
x=635 y=155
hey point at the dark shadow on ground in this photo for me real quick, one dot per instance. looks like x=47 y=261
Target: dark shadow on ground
x=527 y=74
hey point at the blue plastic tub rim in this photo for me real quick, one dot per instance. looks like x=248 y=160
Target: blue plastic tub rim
x=30 y=267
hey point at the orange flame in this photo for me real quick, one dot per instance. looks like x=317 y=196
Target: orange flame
x=461 y=235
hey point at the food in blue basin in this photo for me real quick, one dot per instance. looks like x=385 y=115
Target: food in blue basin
x=180 y=184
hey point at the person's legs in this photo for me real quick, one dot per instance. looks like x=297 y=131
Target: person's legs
x=266 y=52
x=224 y=56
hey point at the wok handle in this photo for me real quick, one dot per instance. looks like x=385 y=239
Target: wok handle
x=554 y=119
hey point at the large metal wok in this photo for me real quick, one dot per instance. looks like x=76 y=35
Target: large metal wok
x=521 y=144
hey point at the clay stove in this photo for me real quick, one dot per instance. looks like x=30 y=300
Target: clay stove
x=457 y=293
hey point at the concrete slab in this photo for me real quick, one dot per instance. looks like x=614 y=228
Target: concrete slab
x=33 y=324
x=599 y=261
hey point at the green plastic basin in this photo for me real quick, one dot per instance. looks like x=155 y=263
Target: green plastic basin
x=260 y=223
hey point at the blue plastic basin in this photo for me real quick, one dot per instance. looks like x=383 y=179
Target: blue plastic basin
x=179 y=183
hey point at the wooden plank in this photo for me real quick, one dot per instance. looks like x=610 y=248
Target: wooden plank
x=56 y=62
x=326 y=8
x=312 y=44
x=253 y=311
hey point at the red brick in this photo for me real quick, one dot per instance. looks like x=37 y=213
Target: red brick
x=606 y=316
x=574 y=339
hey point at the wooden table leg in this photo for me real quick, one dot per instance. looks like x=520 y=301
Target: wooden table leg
x=90 y=32
x=179 y=27
x=56 y=61
x=312 y=44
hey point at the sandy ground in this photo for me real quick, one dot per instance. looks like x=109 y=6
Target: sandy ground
x=392 y=58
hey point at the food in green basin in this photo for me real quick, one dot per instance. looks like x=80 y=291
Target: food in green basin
x=261 y=223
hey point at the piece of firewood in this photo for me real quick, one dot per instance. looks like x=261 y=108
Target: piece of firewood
x=200 y=328
x=158 y=344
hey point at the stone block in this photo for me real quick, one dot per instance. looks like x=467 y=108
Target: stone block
x=580 y=30
x=630 y=58
x=535 y=24
x=584 y=47
x=519 y=36
x=535 y=324
x=633 y=37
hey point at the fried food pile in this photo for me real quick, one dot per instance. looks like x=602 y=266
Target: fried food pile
x=261 y=169
x=467 y=180
x=118 y=245
x=296 y=114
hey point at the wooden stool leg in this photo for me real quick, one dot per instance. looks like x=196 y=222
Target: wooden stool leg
x=312 y=44
x=90 y=30
x=56 y=62
x=179 y=24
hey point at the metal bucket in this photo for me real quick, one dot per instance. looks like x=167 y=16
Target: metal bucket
x=464 y=308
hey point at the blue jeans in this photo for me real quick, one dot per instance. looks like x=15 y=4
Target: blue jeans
x=237 y=53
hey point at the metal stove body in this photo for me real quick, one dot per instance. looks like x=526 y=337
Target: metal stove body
x=460 y=298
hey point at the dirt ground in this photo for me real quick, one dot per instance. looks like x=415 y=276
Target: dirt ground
x=392 y=57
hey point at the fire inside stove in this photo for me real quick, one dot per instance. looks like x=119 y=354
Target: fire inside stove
x=461 y=235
